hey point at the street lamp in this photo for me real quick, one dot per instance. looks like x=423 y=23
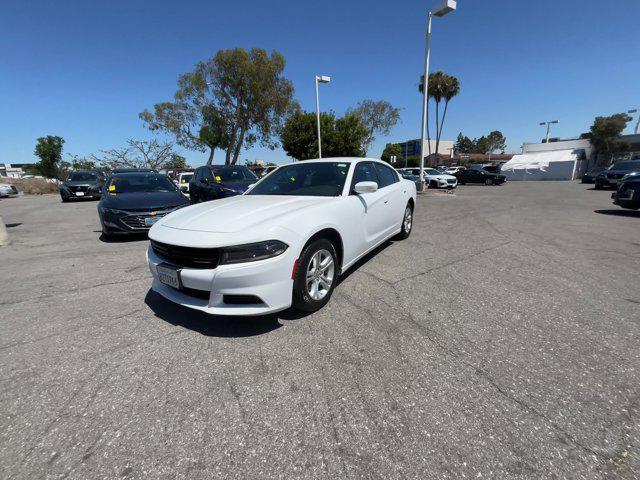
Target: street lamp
x=441 y=10
x=635 y=110
x=548 y=124
x=320 y=79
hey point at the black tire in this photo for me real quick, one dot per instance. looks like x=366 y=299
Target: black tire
x=303 y=299
x=406 y=228
x=488 y=182
x=598 y=186
x=64 y=199
x=433 y=184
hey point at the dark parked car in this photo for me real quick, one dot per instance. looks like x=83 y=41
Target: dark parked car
x=591 y=174
x=628 y=193
x=612 y=175
x=218 y=181
x=480 y=175
x=133 y=202
x=82 y=184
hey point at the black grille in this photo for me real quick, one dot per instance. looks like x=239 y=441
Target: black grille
x=451 y=180
x=79 y=188
x=187 y=256
x=241 y=299
x=192 y=292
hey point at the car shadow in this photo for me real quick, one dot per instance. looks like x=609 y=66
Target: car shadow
x=363 y=260
x=12 y=225
x=136 y=237
x=619 y=213
x=216 y=325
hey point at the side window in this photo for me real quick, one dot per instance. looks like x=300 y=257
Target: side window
x=386 y=175
x=364 y=172
x=197 y=175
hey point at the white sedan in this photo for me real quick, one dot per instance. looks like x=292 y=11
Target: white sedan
x=284 y=242
x=434 y=178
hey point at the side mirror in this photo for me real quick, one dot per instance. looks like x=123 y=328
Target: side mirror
x=365 y=187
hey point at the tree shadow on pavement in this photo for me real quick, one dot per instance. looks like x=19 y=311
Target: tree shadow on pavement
x=620 y=213
x=216 y=325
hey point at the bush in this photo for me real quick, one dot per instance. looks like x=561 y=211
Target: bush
x=34 y=186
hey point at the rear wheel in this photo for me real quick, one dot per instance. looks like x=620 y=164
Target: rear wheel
x=407 y=222
x=488 y=181
x=598 y=186
x=433 y=184
x=315 y=277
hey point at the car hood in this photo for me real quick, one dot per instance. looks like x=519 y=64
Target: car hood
x=242 y=212
x=617 y=172
x=143 y=200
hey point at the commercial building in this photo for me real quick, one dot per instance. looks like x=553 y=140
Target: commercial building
x=13 y=170
x=411 y=148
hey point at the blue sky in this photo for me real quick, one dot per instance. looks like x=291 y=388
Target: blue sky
x=84 y=70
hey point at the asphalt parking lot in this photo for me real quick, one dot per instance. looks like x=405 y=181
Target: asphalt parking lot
x=501 y=340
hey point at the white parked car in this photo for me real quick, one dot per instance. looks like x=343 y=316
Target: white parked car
x=183 y=181
x=284 y=242
x=435 y=178
x=454 y=170
x=7 y=190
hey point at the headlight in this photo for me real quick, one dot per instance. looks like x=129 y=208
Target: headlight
x=252 y=252
x=111 y=211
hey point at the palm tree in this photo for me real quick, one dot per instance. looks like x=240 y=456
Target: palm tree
x=449 y=88
x=441 y=86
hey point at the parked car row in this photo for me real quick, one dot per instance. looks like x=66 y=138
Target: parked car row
x=624 y=176
x=454 y=176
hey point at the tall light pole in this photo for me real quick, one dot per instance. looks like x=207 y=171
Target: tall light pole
x=320 y=79
x=441 y=10
x=635 y=110
x=548 y=124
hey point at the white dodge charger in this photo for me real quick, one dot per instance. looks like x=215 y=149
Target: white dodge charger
x=284 y=242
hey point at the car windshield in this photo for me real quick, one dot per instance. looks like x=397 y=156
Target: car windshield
x=82 y=177
x=140 y=182
x=628 y=165
x=432 y=171
x=233 y=174
x=313 y=179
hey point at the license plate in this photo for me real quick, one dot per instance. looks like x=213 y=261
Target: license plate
x=169 y=275
x=150 y=221
x=79 y=194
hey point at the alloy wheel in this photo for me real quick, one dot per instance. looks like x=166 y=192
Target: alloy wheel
x=320 y=274
x=408 y=219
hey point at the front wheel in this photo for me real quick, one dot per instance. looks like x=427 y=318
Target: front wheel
x=598 y=186
x=315 y=277
x=407 y=223
x=488 y=181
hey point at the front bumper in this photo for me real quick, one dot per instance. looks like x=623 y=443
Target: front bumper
x=627 y=197
x=269 y=280
x=127 y=222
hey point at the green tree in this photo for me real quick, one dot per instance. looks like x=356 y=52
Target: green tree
x=605 y=135
x=390 y=150
x=49 y=151
x=377 y=117
x=496 y=142
x=342 y=137
x=481 y=145
x=175 y=161
x=464 y=144
x=244 y=91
